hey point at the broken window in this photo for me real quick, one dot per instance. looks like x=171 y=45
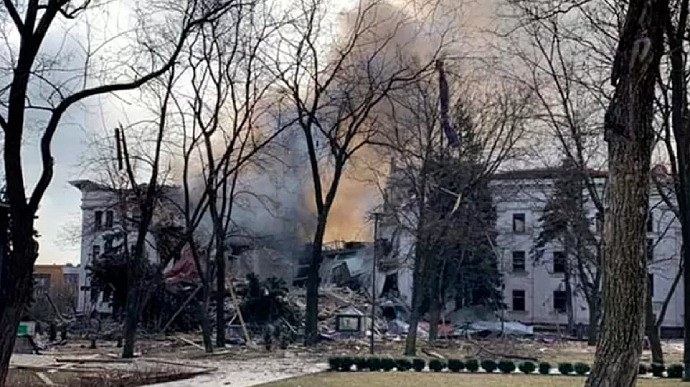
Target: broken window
x=108 y=219
x=97 y=220
x=519 y=223
x=559 y=263
x=519 y=300
x=559 y=301
x=518 y=261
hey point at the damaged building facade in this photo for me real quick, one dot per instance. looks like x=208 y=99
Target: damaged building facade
x=534 y=292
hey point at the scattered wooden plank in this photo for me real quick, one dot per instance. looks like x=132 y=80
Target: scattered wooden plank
x=81 y=360
x=45 y=379
x=190 y=342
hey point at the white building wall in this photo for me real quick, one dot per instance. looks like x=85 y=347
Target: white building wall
x=95 y=199
x=539 y=281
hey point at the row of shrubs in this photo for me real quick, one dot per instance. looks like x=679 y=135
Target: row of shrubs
x=674 y=371
x=345 y=364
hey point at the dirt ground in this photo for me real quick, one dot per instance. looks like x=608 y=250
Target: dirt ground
x=244 y=367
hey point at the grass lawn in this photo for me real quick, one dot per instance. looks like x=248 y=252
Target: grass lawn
x=412 y=379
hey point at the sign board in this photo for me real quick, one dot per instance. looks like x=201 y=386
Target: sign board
x=26 y=328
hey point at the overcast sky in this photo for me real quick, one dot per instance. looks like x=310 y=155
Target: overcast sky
x=60 y=211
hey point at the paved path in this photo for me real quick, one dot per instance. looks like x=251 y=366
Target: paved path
x=246 y=373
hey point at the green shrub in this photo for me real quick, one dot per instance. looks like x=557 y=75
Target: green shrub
x=544 y=368
x=375 y=364
x=472 y=365
x=403 y=364
x=506 y=366
x=418 y=364
x=565 y=368
x=362 y=363
x=675 y=371
x=334 y=363
x=658 y=370
x=527 y=367
x=489 y=366
x=643 y=369
x=437 y=365
x=387 y=364
x=346 y=363
x=455 y=365
x=581 y=368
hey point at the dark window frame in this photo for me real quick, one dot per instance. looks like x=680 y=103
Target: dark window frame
x=519 y=296
x=560 y=301
x=519 y=222
x=519 y=264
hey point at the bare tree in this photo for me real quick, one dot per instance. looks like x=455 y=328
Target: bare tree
x=225 y=123
x=563 y=52
x=434 y=188
x=335 y=85
x=27 y=72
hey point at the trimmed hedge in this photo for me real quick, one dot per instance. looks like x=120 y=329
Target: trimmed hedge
x=334 y=363
x=437 y=365
x=375 y=364
x=544 y=368
x=527 y=367
x=565 y=368
x=506 y=366
x=456 y=365
x=387 y=364
x=581 y=368
x=643 y=369
x=418 y=364
x=345 y=363
x=489 y=366
x=472 y=365
x=675 y=371
x=403 y=364
x=362 y=363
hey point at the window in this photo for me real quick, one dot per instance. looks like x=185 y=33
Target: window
x=96 y=251
x=97 y=220
x=519 y=223
x=41 y=283
x=650 y=249
x=72 y=279
x=519 y=300
x=650 y=222
x=651 y=283
x=108 y=219
x=559 y=301
x=518 y=261
x=559 y=262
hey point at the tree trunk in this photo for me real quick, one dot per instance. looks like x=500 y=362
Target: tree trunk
x=594 y=314
x=418 y=292
x=434 y=317
x=570 y=310
x=311 y=334
x=630 y=136
x=205 y=323
x=131 y=318
x=17 y=271
x=220 y=293
x=653 y=331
